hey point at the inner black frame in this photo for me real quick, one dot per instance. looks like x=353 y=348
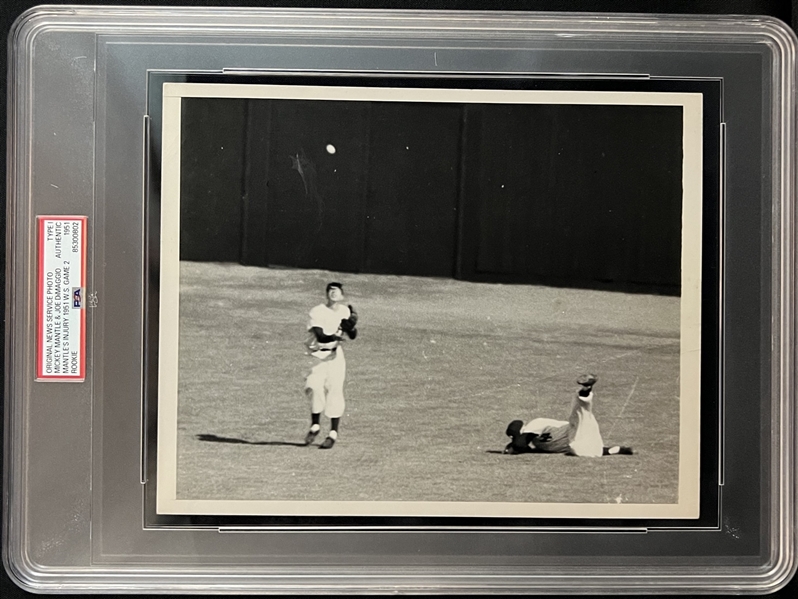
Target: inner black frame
x=711 y=405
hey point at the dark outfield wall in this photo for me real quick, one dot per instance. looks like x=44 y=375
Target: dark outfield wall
x=565 y=195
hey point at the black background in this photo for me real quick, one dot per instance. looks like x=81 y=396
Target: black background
x=786 y=10
x=499 y=193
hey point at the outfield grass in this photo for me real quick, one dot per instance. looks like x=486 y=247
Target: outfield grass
x=439 y=369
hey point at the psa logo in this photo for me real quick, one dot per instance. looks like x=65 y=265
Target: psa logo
x=77 y=297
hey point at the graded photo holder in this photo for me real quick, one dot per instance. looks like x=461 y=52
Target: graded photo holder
x=360 y=301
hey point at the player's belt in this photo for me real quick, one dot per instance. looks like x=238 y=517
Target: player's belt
x=329 y=349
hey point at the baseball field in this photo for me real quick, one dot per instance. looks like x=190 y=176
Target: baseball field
x=438 y=370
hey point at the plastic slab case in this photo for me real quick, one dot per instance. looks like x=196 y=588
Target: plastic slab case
x=94 y=119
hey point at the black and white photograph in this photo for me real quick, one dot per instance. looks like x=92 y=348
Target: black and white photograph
x=429 y=301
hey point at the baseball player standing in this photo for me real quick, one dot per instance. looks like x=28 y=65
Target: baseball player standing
x=579 y=435
x=324 y=386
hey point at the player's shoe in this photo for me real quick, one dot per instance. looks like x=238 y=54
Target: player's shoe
x=328 y=443
x=311 y=436
x=618 y=450
x=587 y=380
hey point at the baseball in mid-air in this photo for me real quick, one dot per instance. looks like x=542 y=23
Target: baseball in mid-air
x=330 y=148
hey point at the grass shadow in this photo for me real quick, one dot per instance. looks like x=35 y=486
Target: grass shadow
x=217 y=439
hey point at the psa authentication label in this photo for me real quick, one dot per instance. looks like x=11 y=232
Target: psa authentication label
x=61 y=334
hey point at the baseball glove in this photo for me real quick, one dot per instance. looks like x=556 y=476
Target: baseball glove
x=348 y=325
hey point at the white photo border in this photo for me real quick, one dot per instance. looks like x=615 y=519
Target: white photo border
x=689 y=478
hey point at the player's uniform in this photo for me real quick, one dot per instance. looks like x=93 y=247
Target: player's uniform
x=326 y=378
x=579 y=435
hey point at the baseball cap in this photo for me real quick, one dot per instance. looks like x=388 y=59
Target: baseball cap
x=334 y=284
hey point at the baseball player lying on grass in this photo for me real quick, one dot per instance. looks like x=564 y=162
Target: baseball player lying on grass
x=579 y=435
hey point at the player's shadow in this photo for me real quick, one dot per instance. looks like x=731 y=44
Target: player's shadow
x=501 y=451
x=217 y=439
